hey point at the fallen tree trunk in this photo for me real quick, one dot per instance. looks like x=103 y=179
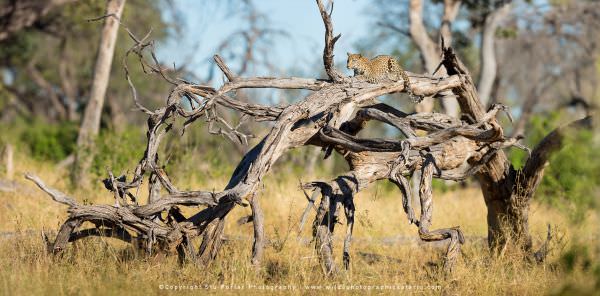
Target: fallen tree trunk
x=330 y=117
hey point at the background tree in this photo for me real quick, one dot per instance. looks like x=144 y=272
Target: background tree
x=501 y=41
x=406 y=20
x=47 y=75
x=19 y=15
x=46 y=72
x=90 y=123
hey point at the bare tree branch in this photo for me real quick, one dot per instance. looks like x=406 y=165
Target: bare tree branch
x=329 y=42
x=487 y=74
x=55 y=194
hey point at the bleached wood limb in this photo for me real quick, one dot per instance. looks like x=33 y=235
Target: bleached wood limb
x=56 y=195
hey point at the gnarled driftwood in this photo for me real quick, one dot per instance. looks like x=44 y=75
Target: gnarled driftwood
x=330 y=117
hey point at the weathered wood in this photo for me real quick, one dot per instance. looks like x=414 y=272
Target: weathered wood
x=322 y=231
x=56 y=195
x=258 y=245
x=64 y=234
x=330 y=117
x=329 y=42
x=349 y=210
x=454 y=233
x=116 y=232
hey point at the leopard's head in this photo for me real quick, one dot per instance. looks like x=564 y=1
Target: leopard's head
x=355 y=61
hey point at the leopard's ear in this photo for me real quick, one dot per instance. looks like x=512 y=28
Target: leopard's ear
x=349 y=54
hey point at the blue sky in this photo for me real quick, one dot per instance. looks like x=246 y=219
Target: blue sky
x=206 y=25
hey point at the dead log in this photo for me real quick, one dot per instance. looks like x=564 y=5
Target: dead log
x=330 y=117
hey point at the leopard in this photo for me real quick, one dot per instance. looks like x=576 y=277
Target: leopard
x=379 y=69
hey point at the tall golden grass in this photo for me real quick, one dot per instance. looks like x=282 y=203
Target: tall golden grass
x=387 y=257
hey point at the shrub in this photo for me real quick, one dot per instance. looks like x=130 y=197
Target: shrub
x=119 y=151
x=51 y=142
x=570 y=181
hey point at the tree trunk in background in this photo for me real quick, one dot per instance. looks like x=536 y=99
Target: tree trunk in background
x=426 y=46
x=90 y=123
x=312 y=160
x=507 y=191
x=430 y=53
x=68 y=83
x=9 y=156
x=451 y=8
x=489 y=67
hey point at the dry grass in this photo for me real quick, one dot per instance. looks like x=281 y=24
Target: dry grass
x=385 y=251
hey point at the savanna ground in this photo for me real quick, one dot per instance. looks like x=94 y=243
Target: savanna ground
x=385 y=250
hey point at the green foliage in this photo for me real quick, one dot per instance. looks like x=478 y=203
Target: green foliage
x=576 y=256
x=197 y=151
x=570 y=181
x=538 y=128
x=119 y=151
x=441 y=186
x=19 y=50
x=196 y=154
x=54 y=142
x=580 y=257
x=507 y=33
x=51 y=142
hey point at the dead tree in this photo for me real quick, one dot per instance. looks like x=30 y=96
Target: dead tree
x=330 y=117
